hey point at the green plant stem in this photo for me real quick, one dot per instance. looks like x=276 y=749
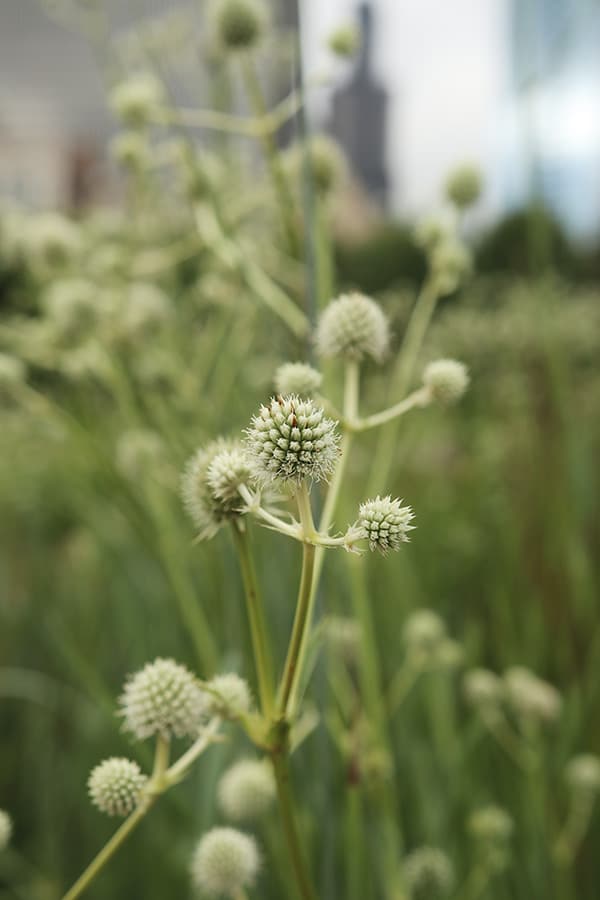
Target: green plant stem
x=286 y=805
x=258 y=627
x=155 y=788
x=421 y=397
x=278 y=177
x=350 y=410
x=400 y=381
x=292 y=668
x=574 y=830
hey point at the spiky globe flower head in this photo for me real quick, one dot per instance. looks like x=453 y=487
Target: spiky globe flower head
x=225 y=862
x=531 y=697
x=297 y=378
x=446 y=380
x=228 y=696
x=582 y=774
x=246 y=790
x=483 y=689
x=345 y=41
x=464 y=186
x=491 y=823
x=385 y=523
x=291 y=441
x=115 y=786
x=130 y=149
x=212 y=502
x=137 y=99
x=353 y=326
x=5 y=829
x=423 y=633
x=428 y=872
x=239 y=24
x=451 y=262
x=163 y=698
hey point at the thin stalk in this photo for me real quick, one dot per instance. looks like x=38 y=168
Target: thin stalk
x=409 y=352
x=574 y=830
x=350 y=412
x=256 y=617
x=122 y=833
x=286 y=805
x=292 y=669
x=421 y=397
x=278 y=177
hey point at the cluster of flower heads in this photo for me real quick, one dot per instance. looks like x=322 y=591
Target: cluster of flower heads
x=528 y=697
x=427 y=642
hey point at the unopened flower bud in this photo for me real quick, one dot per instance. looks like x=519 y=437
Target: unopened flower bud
x=385 y=523
x=446 y=379
x=246 y=790
x=239 y=23
x=115 y=786
x=464 y=186
x=228 y=696
x=353 y=326
x=297 y=378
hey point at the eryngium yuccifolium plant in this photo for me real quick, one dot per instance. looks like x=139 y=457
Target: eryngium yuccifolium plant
x=327 y=164
x=137 y=99
x=531 y=697
x=446 y=380
x=344 y=41
x=491 y=824
x=297 y=378
x=239 y=23
x=225 y=862
x=12 y=370
x=163 y=698
x=115 y=786
x=483 y=689
x=291 y=440
x=428 y=873
x=385 y=523
x=464 y=186
x=343 y=637
x=5 y=829
x=246 y=790
x=51 y=241
x=582 y=774
x=228 y=695
x=207 y=509
x=451 y=262
x=423 y=632
x=353 y=326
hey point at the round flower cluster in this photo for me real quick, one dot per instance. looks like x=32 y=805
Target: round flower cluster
x=115 y=786
x=228 y=696
x=344 y=41
x=583 y=774
x=52 y=241
x=163 y=698
x=353 y=326
x=434 y=230
x=291 y=440
x=385 y=523
x=225 y=862
x=130 y=149
x=5 y=829
x=12 y=370
x=491 y=823
x=325 y=159
x=428 y=872
x=451 y=262
x=446 y=380
x=239 y=23
x=464 y=186
x=423 y=632
x=209 y=485
x=482 y=688
x=137 y=99
x=530 y=696
x=246 y=790
x=297 y=378
x=138 y=451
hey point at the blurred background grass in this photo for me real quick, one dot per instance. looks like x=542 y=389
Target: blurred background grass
x=98 y=572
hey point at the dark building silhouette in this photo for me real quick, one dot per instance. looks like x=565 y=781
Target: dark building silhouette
x=359 y=117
